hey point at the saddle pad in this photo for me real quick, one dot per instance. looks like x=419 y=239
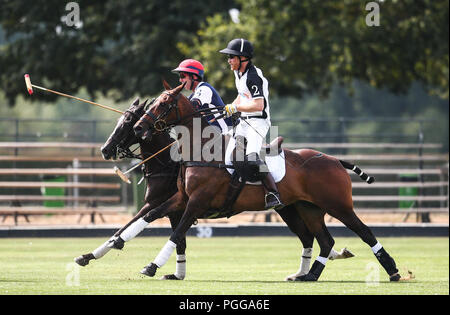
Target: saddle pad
x=276 y=165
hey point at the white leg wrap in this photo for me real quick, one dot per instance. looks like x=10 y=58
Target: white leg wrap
x=180 y=270
x=376 y=247
x=165 y=253
x=101 y=250
x=304 y=264
x=333 y=255
x=133 y=230
x=305 y=261
x=322 y=260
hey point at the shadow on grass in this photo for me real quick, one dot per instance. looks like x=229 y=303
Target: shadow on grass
x=18 y=281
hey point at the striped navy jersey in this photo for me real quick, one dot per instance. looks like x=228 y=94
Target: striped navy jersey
x=205 y=96
x=252 y=84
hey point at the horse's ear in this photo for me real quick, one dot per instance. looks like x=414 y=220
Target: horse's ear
x=178 y=89
x=136 y=101
x=166 y=85
x=145 y=103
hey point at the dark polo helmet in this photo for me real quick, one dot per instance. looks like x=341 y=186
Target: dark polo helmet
x=239 y=47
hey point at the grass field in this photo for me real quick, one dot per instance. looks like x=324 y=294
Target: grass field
x=219 y=266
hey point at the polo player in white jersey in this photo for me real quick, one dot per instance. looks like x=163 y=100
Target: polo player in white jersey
x=252 y=102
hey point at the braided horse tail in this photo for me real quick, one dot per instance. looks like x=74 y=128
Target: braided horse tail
x=358 y=171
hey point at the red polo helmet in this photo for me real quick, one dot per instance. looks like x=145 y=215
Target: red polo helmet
x=191 y=66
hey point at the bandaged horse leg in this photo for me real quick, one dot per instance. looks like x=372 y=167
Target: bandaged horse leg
x=193 y=210
x=180 y=269
x=173 y=204
x=313 y=217
x=343 y=254
x=380 y=253
x=298 y=227
x=103 y=249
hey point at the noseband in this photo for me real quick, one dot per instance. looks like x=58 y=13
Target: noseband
x=122 y=149
x=158 y=123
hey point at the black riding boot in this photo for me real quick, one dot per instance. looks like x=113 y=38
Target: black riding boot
x=272 y=198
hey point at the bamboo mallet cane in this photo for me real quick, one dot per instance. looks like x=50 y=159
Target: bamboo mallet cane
x=30 y=91
x=123 y=175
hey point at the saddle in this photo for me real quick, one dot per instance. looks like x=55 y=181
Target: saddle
x=247 y=172
x=244 y=172
x=274 y=147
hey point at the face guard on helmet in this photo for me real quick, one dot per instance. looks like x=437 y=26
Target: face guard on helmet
x=191 y=66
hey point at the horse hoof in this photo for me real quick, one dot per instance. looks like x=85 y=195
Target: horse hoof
x=116 y=243
x=82 y=261
x=170 y=277
x=395 y=277
x=149 y=270
x=291 y=277
x=346 y=253
x=307 y=278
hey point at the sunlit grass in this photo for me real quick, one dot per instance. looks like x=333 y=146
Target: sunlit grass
x=218 y=265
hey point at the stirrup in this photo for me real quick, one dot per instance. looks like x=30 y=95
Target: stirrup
x=277 y=204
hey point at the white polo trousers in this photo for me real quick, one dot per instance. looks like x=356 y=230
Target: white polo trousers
x=255 y=135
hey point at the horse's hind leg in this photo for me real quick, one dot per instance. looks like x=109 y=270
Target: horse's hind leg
x=180 y=269
x=347 y=216
x=313 y=217
x=298 y=227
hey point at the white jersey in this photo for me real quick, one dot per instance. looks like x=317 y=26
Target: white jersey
x=252 y=84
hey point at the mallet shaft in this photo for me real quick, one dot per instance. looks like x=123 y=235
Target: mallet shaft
x=77 y=98
x=142 y=162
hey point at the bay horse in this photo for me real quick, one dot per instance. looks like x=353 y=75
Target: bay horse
x=161 y=175
x=314 y=184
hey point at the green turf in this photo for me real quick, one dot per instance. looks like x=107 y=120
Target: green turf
x=218 y=265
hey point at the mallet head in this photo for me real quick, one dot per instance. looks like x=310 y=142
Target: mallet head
x=121 y=175
x=28 y=83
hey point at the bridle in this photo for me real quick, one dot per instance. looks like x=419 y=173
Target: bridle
x=158 y=123
x=123 y=149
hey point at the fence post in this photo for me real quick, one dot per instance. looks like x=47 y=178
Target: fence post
x=424 y=216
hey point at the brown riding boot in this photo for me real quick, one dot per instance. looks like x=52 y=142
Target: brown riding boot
x=272 y=198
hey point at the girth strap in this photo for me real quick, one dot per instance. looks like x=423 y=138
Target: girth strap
x=234 y=189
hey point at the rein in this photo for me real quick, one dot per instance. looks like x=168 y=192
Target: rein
x=160 y=125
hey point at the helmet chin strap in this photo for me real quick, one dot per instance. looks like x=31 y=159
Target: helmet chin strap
x=193 y=79
x=240 y=63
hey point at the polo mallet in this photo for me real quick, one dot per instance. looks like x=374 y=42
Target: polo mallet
x=30 y=91
x=123 y=175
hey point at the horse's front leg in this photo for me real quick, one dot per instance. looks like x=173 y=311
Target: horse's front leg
x=180 y=269
x=103 y=249
x=175 y=203
x=193 y=210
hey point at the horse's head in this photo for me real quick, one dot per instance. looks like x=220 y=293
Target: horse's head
x=168 y=110
x=123 y=136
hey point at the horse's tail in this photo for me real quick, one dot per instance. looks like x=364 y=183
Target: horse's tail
x=358 y=171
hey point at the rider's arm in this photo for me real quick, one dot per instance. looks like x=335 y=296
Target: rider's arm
x=254 y=105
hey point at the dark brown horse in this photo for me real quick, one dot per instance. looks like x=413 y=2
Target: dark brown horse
x=161 y=173
x=314 y=184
